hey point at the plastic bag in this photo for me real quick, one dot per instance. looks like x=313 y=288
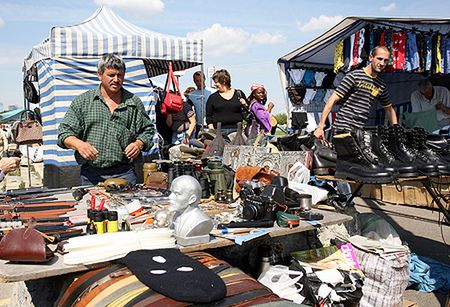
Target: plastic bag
x=278 y=279
x=299 y=173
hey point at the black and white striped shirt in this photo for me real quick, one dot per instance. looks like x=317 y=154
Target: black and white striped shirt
x=358 y=91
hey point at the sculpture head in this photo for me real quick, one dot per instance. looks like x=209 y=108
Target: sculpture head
x=185 y=191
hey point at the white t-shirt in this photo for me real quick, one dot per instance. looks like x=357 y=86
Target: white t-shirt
x=440 y=94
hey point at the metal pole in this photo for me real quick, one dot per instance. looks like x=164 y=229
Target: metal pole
x=202 y=98
x=26 y=105
x=437 y=200
x=29 y=166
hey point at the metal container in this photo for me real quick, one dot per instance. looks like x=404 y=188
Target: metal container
x=305 y=202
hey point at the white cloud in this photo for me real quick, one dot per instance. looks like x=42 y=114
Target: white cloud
x=319 y=23
x=11 y=57
x=220 y=40
x=2 y=23
x=389 y=7
x=140 y=7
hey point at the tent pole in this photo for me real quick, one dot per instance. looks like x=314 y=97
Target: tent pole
x=26 y=106
x=282 y=72
x=202 y=98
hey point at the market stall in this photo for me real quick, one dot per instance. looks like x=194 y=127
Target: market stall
x=310 y=73
x=64 y=66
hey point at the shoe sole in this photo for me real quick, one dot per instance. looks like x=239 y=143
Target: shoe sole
x=348 y=176
x=407 y=175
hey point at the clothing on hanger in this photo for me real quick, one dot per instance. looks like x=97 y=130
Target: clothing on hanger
x=308 y=78
x=296 y=75
x=338 y=56
x=319 y=76
x=412 y=59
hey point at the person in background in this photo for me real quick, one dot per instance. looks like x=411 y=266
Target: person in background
x=357 y=91
x=225 y=105
x=257 y=101
x=183 y=122
x=428 y=96
x=3 y=140
x=107 y=127
x=198 y=97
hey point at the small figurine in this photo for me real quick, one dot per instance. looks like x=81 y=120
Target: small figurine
x=163 y=218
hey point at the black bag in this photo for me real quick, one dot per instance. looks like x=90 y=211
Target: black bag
x=30 y=92
x=247 y=114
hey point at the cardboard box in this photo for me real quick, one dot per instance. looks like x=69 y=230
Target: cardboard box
x=391 y=194
x=412 y=193
x=370 y=191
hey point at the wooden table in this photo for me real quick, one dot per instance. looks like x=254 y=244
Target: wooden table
x=10 y=272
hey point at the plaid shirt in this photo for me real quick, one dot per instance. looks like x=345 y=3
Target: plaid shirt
x=90 y=120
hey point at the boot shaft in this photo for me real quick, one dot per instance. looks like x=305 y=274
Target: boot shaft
x=396 y=144
x=348 y=149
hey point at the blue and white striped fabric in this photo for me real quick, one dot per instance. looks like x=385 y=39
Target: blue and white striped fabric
x=105 y=32
x=62 y=79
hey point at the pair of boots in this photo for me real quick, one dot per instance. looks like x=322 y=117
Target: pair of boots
x=410 y=146
x=382 y=154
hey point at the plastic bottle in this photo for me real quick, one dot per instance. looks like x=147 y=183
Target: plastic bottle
x=99 y=222
x=113 y=223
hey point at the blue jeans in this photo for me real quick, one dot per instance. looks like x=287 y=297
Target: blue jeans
x=227 y=131
x=93 y=175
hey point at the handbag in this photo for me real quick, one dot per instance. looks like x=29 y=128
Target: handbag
x=26 y=245
x=247 y=114
x=27 y=131
x=173 y=102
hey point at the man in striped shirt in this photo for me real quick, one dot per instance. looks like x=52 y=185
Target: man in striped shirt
x=358 y=90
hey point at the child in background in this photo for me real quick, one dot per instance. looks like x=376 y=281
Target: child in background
x=257 y=101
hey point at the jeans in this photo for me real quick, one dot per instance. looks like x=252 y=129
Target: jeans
x=227 y=131
x=91 y=175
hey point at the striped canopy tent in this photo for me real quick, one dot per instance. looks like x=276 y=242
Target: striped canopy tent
x=64 y=66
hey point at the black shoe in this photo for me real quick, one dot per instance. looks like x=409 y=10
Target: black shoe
x=352 y=163
x=402 y=170
x=429 y=155
x=323 y=159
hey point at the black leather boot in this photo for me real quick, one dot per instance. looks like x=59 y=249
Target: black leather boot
x=440 y=145
x=352 y=163
x=293 y=142
x=427 y=154
x=402 y=147
x=323 y=159
x=379 y=140
x=425 y=165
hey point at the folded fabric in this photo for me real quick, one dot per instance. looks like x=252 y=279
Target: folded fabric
x=426 y=120
x=171 y=273
x=428 y=275
x=110 y=246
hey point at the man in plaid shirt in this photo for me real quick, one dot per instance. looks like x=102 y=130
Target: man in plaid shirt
x=107 y=127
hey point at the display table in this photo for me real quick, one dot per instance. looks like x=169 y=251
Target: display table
x=424 y=180
x=10 y=272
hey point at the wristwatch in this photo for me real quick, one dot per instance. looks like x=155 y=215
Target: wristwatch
x=2 y=175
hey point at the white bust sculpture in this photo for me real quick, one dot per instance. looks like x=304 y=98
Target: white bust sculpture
x=189 y=220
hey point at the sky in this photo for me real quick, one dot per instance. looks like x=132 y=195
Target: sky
x=246 y=37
